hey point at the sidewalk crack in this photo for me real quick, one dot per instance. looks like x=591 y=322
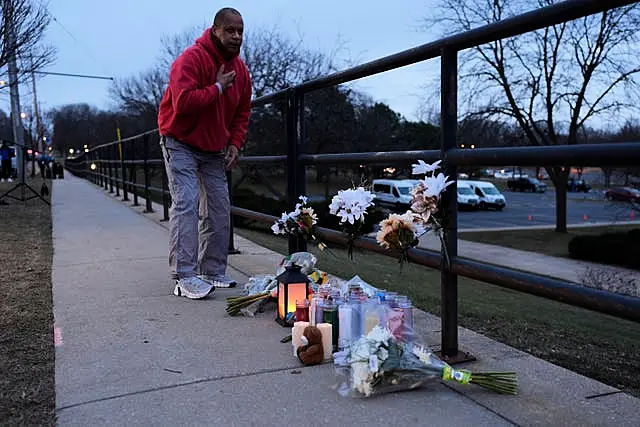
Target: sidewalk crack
x=183 y=384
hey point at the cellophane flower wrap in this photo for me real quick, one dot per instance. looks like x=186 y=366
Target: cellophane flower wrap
x=351 y=206
x=389 y=359
x=401 y=232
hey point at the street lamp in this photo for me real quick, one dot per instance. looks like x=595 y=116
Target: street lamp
x=23 y=115
x=71 y=150
x=473 y=146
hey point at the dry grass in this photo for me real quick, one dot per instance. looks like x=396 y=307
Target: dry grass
x=27 y=354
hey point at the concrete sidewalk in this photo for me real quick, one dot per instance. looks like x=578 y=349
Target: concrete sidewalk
x=130 y=353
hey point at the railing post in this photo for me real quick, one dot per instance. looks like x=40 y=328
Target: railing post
x=123 y=173
x=147 y=177
x=296 y=173
x=231 y=249
x=110 y=167
x=115 y=168
x=449 y=280
x=165 y=194
x=133 y=174
x=103 y=170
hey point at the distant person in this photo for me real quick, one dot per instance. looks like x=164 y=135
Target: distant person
x=6 y=154
x=203 y=121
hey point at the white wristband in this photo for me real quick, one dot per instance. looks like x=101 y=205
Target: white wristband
x=219 y=87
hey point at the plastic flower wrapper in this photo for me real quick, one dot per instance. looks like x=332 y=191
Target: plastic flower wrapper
x=369 y=290
x=382 y=362
x=300 y=222
x=351 y=206
x=306 y=260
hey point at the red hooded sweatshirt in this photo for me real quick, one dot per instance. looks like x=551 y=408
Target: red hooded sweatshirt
x=192 y=109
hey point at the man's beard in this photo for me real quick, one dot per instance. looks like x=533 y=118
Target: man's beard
x=223 y=50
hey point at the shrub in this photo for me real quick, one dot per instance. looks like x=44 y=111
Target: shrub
x=618 y=248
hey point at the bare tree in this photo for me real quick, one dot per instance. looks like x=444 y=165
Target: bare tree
x=141 y=95
x=174 y=44
x=552 y=81
x=29 y=20
x=277 y=62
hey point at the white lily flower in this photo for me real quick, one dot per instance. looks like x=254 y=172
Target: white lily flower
x=435 y=185
x=422 y=168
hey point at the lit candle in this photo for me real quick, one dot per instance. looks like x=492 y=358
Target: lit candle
x=327 y=339
x=345 y=316
x=296 y=335
x=312 y=310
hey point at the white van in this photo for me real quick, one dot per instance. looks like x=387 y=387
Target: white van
x=489 y=195
x=394 y=192
x=467 y=199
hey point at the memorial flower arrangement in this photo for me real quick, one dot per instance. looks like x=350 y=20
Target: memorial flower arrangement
x=300 y=222
x=401 y=232
x=351 y=207
x=381 y=363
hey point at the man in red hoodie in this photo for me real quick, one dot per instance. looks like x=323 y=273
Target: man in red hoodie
x=203 y=121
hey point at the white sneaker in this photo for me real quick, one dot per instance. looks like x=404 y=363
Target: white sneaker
x=192 y=288
x=218 y=281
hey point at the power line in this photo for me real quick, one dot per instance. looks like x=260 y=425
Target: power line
x=84 y=47
x=84 y=76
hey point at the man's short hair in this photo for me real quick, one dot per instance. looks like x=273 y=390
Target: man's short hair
x=220 y=17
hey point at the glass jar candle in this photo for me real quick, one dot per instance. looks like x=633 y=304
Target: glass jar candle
x=330 y=315
x=302 y=310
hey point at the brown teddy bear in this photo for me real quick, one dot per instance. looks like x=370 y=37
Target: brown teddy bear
x=311 y=351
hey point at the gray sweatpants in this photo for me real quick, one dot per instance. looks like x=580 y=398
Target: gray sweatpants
x=199 y=213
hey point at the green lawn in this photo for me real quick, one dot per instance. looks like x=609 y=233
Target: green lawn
x=582 y=341
x=546 y=242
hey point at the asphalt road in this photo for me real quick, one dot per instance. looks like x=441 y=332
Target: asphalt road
x=526 y=209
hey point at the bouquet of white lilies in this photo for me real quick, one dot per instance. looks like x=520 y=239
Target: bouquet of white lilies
x=381 y=363
x=351 y=207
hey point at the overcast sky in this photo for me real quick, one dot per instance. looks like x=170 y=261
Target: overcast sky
x=122 y=37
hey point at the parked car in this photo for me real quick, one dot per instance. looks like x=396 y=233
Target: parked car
x=393 y=192
x=526 y=184
x=578 y=185
x=488 y=194
x=623 y=194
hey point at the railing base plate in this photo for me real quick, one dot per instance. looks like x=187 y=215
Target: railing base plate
x=460 y=357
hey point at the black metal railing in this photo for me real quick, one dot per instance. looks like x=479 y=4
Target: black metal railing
x=106 y=165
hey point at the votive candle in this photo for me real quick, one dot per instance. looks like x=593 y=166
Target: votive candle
x=296 y=335
x=327 y=339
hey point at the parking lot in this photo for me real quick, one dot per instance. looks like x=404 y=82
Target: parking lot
x=525 y=209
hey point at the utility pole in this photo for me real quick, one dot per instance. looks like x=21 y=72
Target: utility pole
x=16 y=119
x=35 y=110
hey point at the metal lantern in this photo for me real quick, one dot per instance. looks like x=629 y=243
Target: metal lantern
x=293 y=285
